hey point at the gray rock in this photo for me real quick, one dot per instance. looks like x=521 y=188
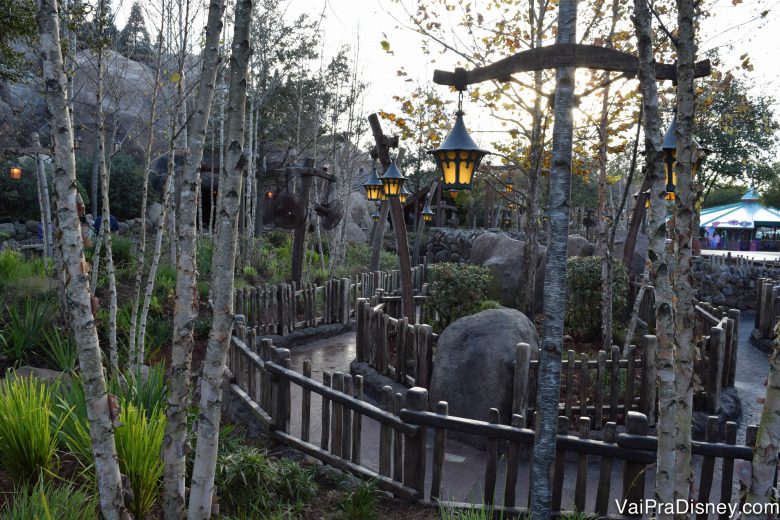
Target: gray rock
x=44 y=374
x=640 y=251
x=32 y=226
x=124 y=228
x=474 y=368
x=20 y=229
x=7 y=230
x=354 y=233
x=153 y=214
x=579 y=246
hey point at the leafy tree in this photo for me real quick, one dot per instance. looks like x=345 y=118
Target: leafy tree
x=17 y=25
x=133 y=40
x=740 y=128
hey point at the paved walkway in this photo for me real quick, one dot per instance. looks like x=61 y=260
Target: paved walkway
x=752 y=371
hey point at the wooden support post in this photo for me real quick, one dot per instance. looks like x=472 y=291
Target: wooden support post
x=715 y=348
x=598 y=399
x=492 y=462
x=414 y=453
x=360 y=335
x=605 y=473
x=357 y=422
x=570 y=357
x=727 y=471
x=711 y=434
x=512 y=462
x=400 y=350
x=634 y=472
x=735 y=315
x=614 y=384
x=439 y=441
x=346 y=430
x=649 y=393
x=424 y=355
x=630 y=375
x=386 y=434
x=581 y=488
x=584 y=386
x=337 y=424
x=398 y=442
x=521 y=382
x=281 y=356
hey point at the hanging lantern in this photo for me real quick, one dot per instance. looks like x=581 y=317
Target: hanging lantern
x=458 y=157
x=269 y=194
x=506 y=221
x=15 y=172
x=509 y=185
x=427 y=213
x=454 y=194
x=77 y=142
x=404 y=195
x=373 y=186
x=375 y=214
x=392 y=180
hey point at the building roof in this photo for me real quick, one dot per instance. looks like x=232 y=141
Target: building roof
x=745 y=214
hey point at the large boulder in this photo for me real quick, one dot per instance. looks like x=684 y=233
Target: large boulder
x=578 y=245
x=153 y=214
x=358 y=211
x=474 y=366
x=640 y=251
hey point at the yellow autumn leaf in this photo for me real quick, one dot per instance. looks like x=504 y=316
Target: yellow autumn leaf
x=175 y=77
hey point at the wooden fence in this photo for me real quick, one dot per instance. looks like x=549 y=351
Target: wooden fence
x=261 y=378
x=279 y=309
x=767 y=306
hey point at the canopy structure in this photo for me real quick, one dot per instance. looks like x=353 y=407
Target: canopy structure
x=741 y=222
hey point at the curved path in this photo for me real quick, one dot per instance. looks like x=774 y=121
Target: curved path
x=752 y=371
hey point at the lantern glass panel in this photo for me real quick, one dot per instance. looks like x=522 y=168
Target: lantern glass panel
x=15 y=173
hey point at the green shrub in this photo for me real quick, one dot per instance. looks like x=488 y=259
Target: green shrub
x=583 y=299
x=25 y=328
x=122 y=252
x=44 y=501
x=159 y=332
x=146 y=392
x=28 y=437
x=205 y=254
x=361 y=504
x=165 y=280
x=249 y=482
x=138 y=444
x=457 y=290
x=126 y=187
x=60 y=350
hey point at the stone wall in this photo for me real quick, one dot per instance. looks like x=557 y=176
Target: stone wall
x=13 y=233
x=732 y=284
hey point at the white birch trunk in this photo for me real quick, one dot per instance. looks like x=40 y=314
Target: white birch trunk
x=761 y=490
x=186 y=306
x=555 y=275
x=101 y=429
x=202 y=486
x=657 y=258
x=683 y=273
x=43 y=198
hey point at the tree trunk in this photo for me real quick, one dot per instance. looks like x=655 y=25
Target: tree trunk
x=657 y=256
x=230 y=183
x=83 y=324
x=555 y=275
x=768 y=442
x=186 y=307
x=95 y=186
x=43 y=198
x=683 y=274
x=141 y=257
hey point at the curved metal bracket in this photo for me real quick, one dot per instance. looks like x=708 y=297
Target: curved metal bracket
x=556 y=56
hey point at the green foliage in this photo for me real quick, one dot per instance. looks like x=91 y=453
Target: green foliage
x=60 y=350
x=133 y=41
x=125 y=189
x=45 y=501
x=138 y=444
x=17 y=25
x=13 y=266
x=28 y=437
x=24 y=330
x=122 y=251
x=159 y=332
x=165 y=281
x=457 y=290
x=488 y=304
x=720 y=196
x=202 y=327
x=251 y=483
x=583 y=301
x=357 y=259
x=146 y=390
x=483 y=512
x=205 y=254
x=361 y=504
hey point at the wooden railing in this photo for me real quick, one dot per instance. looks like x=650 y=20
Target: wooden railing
x=767 y=306
x=279 y=309
x=262 y=379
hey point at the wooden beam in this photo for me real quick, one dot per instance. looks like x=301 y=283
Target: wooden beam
x=305 y=172
x=558 y=56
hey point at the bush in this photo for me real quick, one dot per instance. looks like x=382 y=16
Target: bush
x=28 y=439
x=125 y=188
x=357 y=259
x=361 y=504
x=583 y=299
x=44 y=501
x=249 y=482
x=122 y=252
x=457 y=290
x=138 y=444
x=25 y=328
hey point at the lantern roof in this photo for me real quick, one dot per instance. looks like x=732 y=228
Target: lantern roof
x=459 y=138
x=373 y=179
x=393 y=173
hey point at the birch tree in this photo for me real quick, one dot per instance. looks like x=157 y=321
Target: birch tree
x=549 y=380
x=186 y=306
x=657 y=265
x=765 y=464
x=684 y=346
x=230 y=184
x=108 y=478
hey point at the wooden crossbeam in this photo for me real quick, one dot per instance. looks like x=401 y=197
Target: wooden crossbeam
x=556 y=56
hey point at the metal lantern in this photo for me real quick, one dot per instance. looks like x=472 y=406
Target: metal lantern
x=375 y=214
x=77 y=143
x=15 y=172
x=458 y=157
x=506 y=221
x=374 y=187
x=393 y=180
x=404 y=195
x=269 y=194
x=454 y=194
x=509 y=185
x=427 y=213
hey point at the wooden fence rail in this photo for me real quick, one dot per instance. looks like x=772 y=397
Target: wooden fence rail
x=767 y=306
x=262 y=379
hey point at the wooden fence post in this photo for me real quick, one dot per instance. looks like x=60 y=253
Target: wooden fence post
x=357 y=422
x=521 y=383
x=346 y=309
x=581 y=488
x=735 y=315
x=439 y=440
x=614 y=383
x=346 y=430
x=398 y=441
x=560 y=464
x=400 y=349
x=492 y=462
x=649 y=372
x=512 y=461
x=605 y=472
x=630 y=375
x=715 y=348
x=424 y=357
x=584 y=385
x=634 y=472
x=305 y=403
x=414 y=456
x=360 y=339
x=386 y=434
x=598 y=399
x=337 y=422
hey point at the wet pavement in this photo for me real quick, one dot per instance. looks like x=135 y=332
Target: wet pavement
x=752 y=371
